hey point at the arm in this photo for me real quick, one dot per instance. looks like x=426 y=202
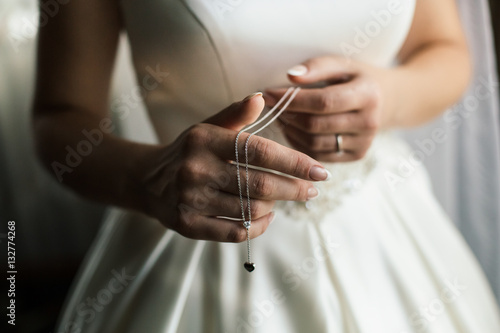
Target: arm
x=76 y=52
x=435 y=66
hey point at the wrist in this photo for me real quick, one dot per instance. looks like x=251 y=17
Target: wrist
x=141 y=169
x=149 y=181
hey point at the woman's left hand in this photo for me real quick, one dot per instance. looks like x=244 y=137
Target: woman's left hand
x=350 y=103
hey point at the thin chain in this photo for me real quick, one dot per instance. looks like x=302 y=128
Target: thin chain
x=249 y=259
x=247 y=223
x=246 y=172
x=238 y=174
x=248 y=197
x=236 y=147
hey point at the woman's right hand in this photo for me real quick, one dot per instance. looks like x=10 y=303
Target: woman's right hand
x=192 y=183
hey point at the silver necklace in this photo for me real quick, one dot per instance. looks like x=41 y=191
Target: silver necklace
x=247 y=223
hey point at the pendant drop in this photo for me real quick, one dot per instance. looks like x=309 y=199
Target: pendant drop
x=249 y=266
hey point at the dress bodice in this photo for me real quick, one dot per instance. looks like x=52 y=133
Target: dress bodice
x=209 y=53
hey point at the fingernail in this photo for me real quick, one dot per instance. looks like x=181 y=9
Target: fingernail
x=273 y=215
x=312 y=193
x=249 y=97
x=329 y=175
x=319 y=173
x=298 y=70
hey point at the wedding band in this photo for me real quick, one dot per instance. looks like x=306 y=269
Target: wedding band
x=338 y=137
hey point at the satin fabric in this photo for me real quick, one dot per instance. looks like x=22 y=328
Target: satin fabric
x=373 y=253
x=465 y=168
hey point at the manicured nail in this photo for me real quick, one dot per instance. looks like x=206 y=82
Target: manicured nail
x=312 y=193
x=329 y=175
x=249 y=97
x=298 y=70
x=319 y=173
x=273 y=215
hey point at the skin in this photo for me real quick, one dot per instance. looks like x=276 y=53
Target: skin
x=359 y=100
x=75 y=58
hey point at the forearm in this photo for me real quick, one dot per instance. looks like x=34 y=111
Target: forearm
x=79 y=150
x=430 y=80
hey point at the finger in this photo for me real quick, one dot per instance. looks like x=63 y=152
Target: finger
x=266 y=186
x=319 y=143
x=349 y=96
x=327 y=156
x=328 y=68
x=221 y=230
x=346 y=122
x=239 y=114
x=267 y=154
x=229 y=205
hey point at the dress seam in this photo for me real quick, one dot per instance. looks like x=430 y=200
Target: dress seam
x=216 y=50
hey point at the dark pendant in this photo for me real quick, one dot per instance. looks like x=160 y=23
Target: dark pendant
x=249 y=266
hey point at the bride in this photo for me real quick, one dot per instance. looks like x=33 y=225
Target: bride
x=357 y=241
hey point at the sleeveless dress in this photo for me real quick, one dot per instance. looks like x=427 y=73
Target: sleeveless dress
x=374 y=253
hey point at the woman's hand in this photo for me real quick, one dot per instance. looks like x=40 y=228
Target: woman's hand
x=192 y=183
x=357 y=99
x=351 y=102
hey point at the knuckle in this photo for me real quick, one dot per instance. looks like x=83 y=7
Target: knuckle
x=197 y=135
x=302 y=192
x=326 y=102
x=262 y=185
x=236 y=235
x=298 y=163
x=191 y=170
x=261 y=149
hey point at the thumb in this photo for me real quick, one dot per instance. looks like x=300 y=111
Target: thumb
x=239 y=114
x=329 y=68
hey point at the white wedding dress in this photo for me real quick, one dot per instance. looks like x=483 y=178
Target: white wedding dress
x=374 y=253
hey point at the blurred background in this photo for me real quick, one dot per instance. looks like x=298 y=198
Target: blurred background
x=54 y=227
